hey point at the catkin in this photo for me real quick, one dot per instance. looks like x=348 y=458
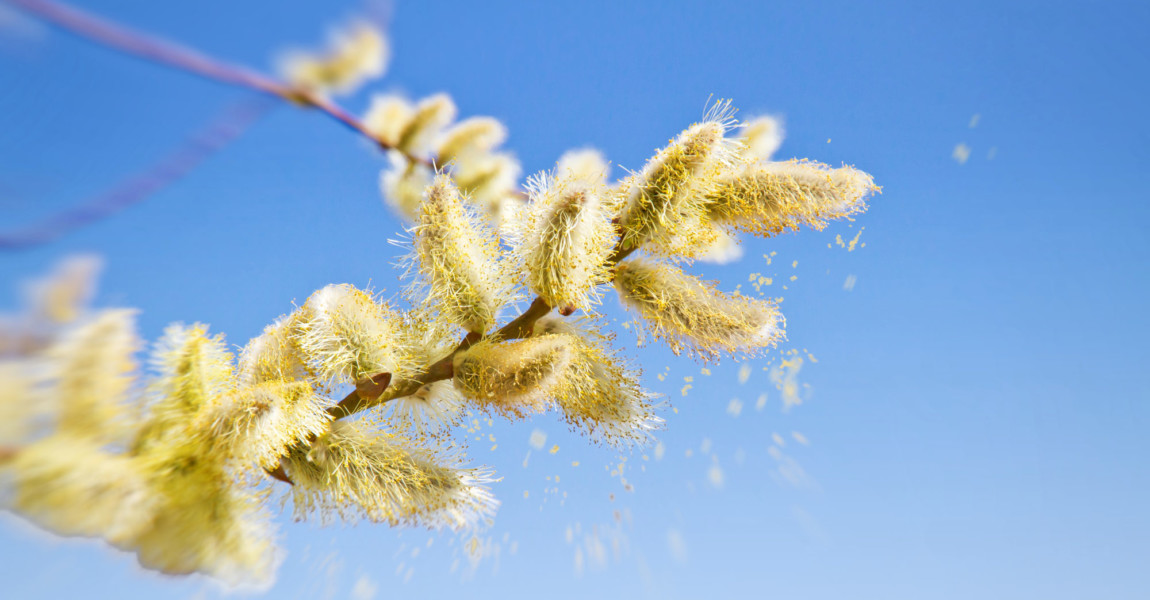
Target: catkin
x=689 y=314
x=770 y=198
x=458 y=259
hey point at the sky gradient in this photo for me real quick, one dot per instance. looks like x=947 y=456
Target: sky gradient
x=976 y=419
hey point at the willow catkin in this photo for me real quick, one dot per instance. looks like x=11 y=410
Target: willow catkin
x=770 y=198
x=665 y=203
x=355 y=54
x=256 y=424
x=469 y=138
x=387 y=116
x=194 y=370
x=403 y=183
x=513 y=378
x=760 y=137
x=92 y=371
x=600 y=393
x=458 y=260
x=489 y=182
x=74 y=487
x=352 y=472
x=427 y=121
x=274 y=355
x=435 y=407
x=584 y=164
x=564 y=238
x=206 y=520
x=689 y=314
x=347 y=335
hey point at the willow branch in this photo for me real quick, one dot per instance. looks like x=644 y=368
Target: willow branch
x=519 y=327
x=156 y=50
x=222 y=130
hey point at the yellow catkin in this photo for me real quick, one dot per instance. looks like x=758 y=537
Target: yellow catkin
x=347 y=335
x=665 y=202
x=689 y=314
x=352 y=472
x=256 y=424
x=470 y=137
x=584 y=164
x=761 y=137
x=563 y=240
x=427 y=121
x=599 y=393
x=513 y=378
x=205 y=520
x=489 y=182
x=274 y=355
x=770 y=198
x=436 y=407
x=458 y=260
x=402 y=184
x=74 y=487
x=195 y=370
x=63 y=295
x=356 y=54
x=21 y=406
x=412 y=130
x=387 y=116
x=92 y=372
x=430 y=411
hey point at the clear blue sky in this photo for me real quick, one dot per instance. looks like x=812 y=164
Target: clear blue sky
x=977 y=416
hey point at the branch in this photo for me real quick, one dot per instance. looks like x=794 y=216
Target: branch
x=117 y=37
x=222 y=130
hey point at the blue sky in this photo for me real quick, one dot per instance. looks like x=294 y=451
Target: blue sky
x=976 y=419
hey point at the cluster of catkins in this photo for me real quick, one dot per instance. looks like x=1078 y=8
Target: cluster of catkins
x=171 y=462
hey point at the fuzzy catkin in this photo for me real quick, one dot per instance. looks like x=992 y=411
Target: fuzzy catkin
x=93 y=367
x=429 y=118
x=74 y=487
x=206 y=520
x=600 y=393
x=256 y=424
x=403 y=183
x=274 y=355
x=411 y=130
x=770 y=198
x=347 y=335
x=195 y=370
x=513 y=378
x=564 y=238
x=665 y=202
x=355 y=54
x=458 y=258
x=689 y=314
x=761 y=137
x=469 y=138
x=351 y=472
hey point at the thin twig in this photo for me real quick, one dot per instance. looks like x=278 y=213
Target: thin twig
x=157 y=50
x=222 y=130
